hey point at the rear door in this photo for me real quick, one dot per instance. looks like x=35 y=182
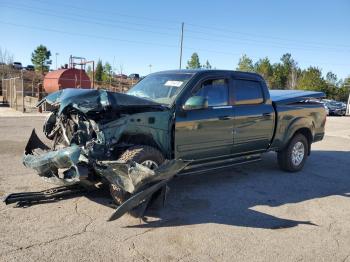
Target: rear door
x=254 y=117
x=206 y=133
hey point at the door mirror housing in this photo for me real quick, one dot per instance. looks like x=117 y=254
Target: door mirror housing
x=195 y=102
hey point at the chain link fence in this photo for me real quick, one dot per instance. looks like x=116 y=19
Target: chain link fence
x=12 y=92
x=23 y=94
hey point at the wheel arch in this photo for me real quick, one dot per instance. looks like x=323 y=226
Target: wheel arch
x=302 y=126
x=139 y=139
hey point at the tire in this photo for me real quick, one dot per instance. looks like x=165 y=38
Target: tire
x=140 y=154
x=292 y=161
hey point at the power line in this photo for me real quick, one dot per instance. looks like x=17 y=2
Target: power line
x=84 y=35
x=214 y=39
x=111 y=12
x=48 y=12
x=269 y=44
x=216 y=29
x=89 y=21
x=138 y=42
x=276 y=44
x=221 y=29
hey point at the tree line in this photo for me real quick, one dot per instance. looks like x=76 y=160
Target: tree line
x=286 y=74
x=103 y=72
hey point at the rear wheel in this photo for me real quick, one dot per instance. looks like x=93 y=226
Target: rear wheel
x=292 y=158
x=145 y=155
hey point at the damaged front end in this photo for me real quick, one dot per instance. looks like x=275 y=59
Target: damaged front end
x=65 y=166
x=89 y=130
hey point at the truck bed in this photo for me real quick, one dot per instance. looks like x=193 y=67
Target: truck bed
x=295 y=109
x=290 y=96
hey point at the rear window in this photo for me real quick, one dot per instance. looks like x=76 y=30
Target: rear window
x=248 y=92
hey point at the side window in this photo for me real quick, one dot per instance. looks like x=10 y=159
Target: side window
x=215 y=91
x=248 y=92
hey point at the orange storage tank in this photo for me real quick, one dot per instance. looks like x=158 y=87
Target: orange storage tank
x=66 y=78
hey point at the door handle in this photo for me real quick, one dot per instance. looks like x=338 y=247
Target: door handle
x=224 y=118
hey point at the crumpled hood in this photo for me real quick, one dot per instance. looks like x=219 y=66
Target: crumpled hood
x=92 y=100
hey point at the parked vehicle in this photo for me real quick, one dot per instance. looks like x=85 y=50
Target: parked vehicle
x=121 y=76
x=134 y=76
x=336 y=108
x=30 y=68
x=17 y=65
x=199 y=120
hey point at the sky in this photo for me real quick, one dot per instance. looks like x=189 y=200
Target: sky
x=132 y=35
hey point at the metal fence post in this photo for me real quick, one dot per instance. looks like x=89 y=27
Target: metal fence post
x=23 y=107
x=2 y=90
x=10 y=91
x=15 y=93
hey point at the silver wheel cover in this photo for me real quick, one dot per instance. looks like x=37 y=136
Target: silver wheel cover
x=298 y=153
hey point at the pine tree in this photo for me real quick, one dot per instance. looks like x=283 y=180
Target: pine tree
x=41 y=59
x=207 y=65
x=245 y=64
x=99 y=71
x=193 y=63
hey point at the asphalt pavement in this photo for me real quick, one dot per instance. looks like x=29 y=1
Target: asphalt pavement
x=249 y=213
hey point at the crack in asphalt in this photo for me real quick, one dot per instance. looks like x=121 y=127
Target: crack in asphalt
x=139 y=234
x=91 y=220
x=9 y=244
x=84 y=230
x=42 y=243
x=133 y=247
x=346 y=258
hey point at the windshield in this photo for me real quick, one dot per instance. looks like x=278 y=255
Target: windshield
x=161 y=88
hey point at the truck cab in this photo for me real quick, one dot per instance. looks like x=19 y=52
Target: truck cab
x=223 y=115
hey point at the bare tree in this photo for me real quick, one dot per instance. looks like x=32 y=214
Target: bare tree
x=121 y=69
x=5 y=57
x=6 y=60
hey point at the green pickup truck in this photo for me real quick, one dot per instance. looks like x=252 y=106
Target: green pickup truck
x=174 y=122
x=220 y=118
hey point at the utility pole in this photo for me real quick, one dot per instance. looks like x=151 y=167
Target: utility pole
x=347 y=111
x=181 y=42
x=150 y=68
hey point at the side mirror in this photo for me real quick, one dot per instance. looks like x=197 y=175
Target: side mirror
x=195 y=102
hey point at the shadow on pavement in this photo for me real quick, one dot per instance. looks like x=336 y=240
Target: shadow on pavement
x=229 y=197
x=232 y=197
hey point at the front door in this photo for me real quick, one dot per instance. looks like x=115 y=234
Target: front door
x=206 y=132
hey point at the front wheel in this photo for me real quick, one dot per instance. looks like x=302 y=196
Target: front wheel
x=145 y=155
x=293 y=157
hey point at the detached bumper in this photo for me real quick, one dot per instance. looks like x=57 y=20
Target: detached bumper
x=63 y=166
x=71 y=165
